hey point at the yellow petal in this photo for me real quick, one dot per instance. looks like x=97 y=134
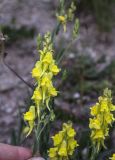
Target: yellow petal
x=54 y=69
x=30 y=115
x=48 y=58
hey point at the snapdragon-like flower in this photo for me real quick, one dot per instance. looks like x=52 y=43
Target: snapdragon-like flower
x=30 y=117
x=43 y=72
x=102 y=119
x=63 y=20
x=113 y=157
x=66 y=15
x=64 y=143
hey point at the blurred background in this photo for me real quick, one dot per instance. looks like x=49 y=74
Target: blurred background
x=88 y=67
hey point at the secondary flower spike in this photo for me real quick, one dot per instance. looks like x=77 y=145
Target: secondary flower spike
x=64 y=143
x=102 y=119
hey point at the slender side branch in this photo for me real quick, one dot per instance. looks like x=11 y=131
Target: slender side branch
x=12 y=70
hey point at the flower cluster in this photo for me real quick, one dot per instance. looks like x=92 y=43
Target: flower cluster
x=113 y=157
x=102 y=119
x=43 y=72
x=64 y=143
x=63 y=16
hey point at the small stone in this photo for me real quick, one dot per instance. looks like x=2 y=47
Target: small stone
x=71 y=56
x=9 y=110
x=76 y=95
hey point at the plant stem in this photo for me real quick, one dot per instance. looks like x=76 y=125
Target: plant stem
x=56 y=31
x=11 y=69
x=93 y=154
x=64 y=50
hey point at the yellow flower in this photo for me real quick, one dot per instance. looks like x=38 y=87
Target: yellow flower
x=95 y=123
x=72 y=144
x=109 y=118
x=52 y=91
x=104 y=105
x=63 y=20
x=36 y=73
x=37 y=96
x=113 y=157
x=58 y=138
x=46 y=81
x=94 y=110
x=63 y=149
x=71 y=132
x=30 y=117
x=52 y=152
x=48 y=58
x=98 y=135
x=54 y=69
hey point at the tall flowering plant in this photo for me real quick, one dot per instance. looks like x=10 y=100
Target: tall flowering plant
x=41 y=112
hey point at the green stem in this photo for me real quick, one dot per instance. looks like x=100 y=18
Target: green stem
x=36 y=142
x=94 y=154
x=35 y=146
x=64 y=50
x=56 y=31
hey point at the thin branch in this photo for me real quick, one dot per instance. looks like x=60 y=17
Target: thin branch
x=12 y=70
